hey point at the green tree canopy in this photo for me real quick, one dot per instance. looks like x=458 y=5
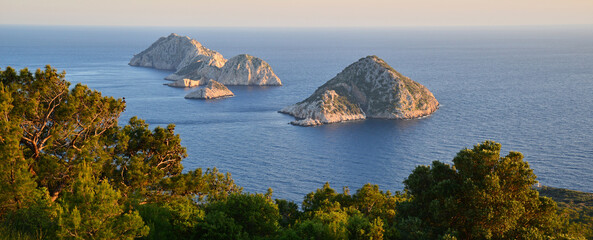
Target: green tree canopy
x=17 y=183
x=256 y=214
x=57 y=140
x=68 y=170
x=60 y=128
x=481 y=196
x=94 y=210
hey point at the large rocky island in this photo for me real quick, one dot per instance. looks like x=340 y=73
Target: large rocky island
x=190 y=60
x=368 y=88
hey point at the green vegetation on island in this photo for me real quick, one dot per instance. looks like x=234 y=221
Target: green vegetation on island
x=68 y=170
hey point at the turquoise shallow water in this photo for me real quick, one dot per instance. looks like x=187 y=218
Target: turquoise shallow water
x=530 y=89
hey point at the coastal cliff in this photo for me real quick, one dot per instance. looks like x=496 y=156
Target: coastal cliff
x=191 y=60
x=213 y=90
x=176 y=52
x=368 y=88
x=245 y=69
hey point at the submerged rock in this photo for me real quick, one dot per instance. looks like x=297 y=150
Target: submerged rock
x=186 y=83
x=368 y=88
x=213 y=90
x=191 y=60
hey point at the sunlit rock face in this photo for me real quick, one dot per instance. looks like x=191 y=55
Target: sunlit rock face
x=191 y=60
x=327 y=107
x=187 y=83
x=248 y=70
x=368 y=88
x=213 y=90
x=176 y=52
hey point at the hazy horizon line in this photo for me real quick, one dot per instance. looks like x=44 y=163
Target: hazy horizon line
x=302 y=27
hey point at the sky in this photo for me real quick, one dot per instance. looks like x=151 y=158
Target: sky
x=296 y=13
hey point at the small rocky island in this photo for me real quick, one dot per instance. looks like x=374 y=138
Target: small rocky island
x=190 y=60
x=213 y=90
x=368 y=88
x=186 y=83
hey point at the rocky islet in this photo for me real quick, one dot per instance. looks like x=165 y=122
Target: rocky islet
x=187 y=83
x=213 y=90
x=191 y=60
x=368 y=88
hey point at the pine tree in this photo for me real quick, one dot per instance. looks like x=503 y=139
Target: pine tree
x=17 y=184
x=94 y=210
x=481 y=196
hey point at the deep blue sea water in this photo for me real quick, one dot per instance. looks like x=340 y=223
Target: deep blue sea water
x=529 y=88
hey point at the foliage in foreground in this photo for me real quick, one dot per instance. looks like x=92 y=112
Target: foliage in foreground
x=69 y=171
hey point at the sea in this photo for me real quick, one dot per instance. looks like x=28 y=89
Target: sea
x=529 y=88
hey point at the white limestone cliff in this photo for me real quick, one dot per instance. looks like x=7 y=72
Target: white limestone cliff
x=213 y=90
x=186 y=83
x=248 y=70
x=201 y=68
x=368 y=88
x=329 y=107
x=191 y=60
x=176 y=52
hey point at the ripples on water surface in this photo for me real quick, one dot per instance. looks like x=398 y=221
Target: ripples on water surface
x=530 y=89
